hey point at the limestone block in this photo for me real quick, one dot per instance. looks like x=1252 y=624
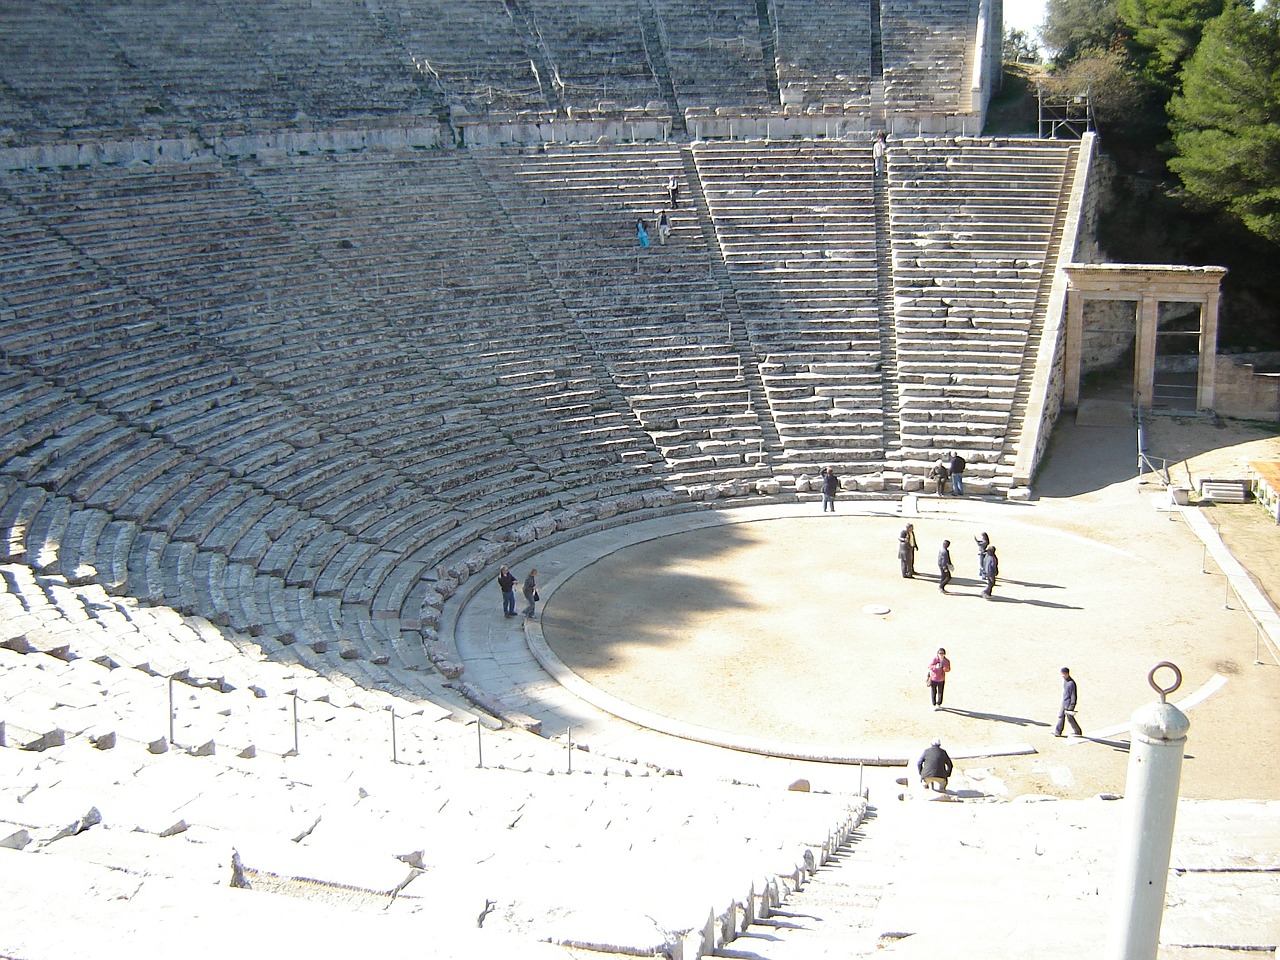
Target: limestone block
x=457 y=571
x=158 y=746
x=629 y=502
x=912 y=484
x=799 y=786
x=430 y=616
x=56 y=737
x=320 y=646
x=979 y=486
x=380 y=659
x=348 y=652
x=854 y=483
x=91 y=819
x=248 y=753
x=873 y=483
x=446 y=587
x=449 y=669
x=804 y=483
x=17 y=840
x=544 y=526
x=206 y=749
x=524 y=533
x=604 y=509
x=728 y=489
x=105 y=742
x=570 y=519
x=768 y=485
x=1019 y=493
x=491 y=550
x=661 y=498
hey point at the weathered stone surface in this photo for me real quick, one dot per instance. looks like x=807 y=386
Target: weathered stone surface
x=544 y=526
x=911 y=484
x=604 y=509
x=571 y=518
x=446 y=587
x=248 y=753
x=804 y=483
x=380 y=660
x=799 y=786
x=348 y=652
x=92 y=818
x=56 y=737
x=17 y=840
x=158 y=746
x=660 y=498
x=206 y=749
x=857 y=483
x=873 y=483
x=1019 y=493
x=768 y=485
x=525 y=533
x=629 y=502
x=105 y=742
x=457 y=571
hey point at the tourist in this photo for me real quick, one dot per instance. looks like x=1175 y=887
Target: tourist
x=983 y=541
x=641 y=233
x=830 y=484
x=944 y=567
x=940 y=474
x=507 y=583
x=664 y=227
x=957 y=474
x=935 y=766
x=878 y=149
x=907 y=547
x=531 y=592
x=990 y=570
x=939 y=667
x=673 y=190
x=1067 y=713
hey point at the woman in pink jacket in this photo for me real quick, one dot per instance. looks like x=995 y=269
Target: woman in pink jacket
x=939 y=667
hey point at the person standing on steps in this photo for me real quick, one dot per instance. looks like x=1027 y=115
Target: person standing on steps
x=1067 y=713
x=673 y=190
x=907 y=547
x=507 y=584
x=531 y=592
x=957 y=474
x=944 y=567
x=830 y=484
x=939 y=667
x=664 y=228
x=990 y=570
x=642 y=234
x=878 y=150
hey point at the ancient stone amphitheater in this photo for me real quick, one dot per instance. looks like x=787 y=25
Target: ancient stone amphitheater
x=313 y=311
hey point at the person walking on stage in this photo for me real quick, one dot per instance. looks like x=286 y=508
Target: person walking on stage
x=939 y=667
x=944 y=566
x=1067 y=713
x=983 y=541
x=507 y=584
x=990 y=570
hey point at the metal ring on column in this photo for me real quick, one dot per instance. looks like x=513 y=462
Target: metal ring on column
x=1165 y=691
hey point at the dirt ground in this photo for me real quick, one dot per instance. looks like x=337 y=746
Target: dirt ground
x=763 y=627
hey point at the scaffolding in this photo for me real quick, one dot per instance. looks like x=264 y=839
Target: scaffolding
x=1063 y=115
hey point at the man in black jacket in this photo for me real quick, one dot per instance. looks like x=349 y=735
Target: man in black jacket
x=935 y=766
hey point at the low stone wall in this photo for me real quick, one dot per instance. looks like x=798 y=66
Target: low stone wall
x=628 y=126
x=828 y=123
x=1241 y=391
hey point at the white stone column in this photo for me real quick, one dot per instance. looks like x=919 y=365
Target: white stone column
x=1208 y=351
x=1144 y=359
x=1072 y=349
x=1159 y=735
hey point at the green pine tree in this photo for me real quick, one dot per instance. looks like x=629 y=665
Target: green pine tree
x=1165 y=33
x=1226 y=120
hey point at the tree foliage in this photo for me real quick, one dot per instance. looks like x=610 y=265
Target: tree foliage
x=1073 y=28
x=1226 y=120
x=1164 y=33
x=1020 y=47
x=1116 y=96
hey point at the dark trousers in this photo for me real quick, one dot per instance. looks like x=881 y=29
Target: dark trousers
x=509 y=603
x=936 y=687
x=944 y=577
x=1065 y=717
